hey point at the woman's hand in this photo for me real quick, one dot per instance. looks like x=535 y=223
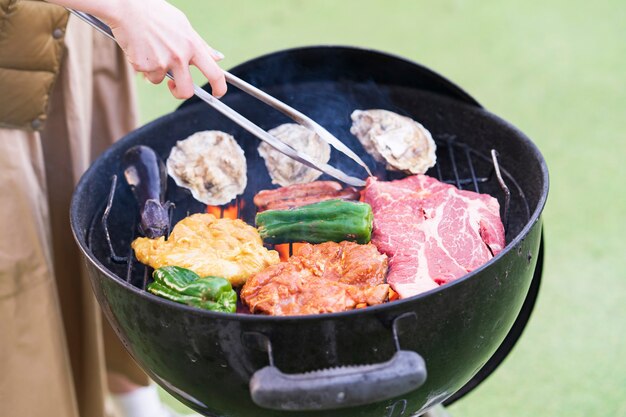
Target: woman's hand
x=156 y=38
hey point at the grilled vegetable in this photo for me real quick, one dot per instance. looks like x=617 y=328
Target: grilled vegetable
x=332 y=220
x=185 y=286
x=145 y=174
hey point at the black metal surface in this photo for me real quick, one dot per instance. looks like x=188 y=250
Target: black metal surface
x=291 y=67
x=202 y=358
x=512 y=336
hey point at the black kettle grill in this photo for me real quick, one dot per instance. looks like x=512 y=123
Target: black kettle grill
x=461 y=330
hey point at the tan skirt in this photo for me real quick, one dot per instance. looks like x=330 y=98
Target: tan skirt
x=54 y=344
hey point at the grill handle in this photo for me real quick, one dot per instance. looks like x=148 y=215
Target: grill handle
x=338 y=387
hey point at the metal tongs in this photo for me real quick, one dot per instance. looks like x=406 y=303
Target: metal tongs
x=274 y=142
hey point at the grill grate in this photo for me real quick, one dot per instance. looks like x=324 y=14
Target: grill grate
x=458 y=164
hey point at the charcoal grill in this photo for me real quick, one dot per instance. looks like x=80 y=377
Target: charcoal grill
x=206 y=359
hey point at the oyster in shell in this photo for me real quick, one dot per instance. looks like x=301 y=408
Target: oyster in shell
x=401 y=142
x=284 y=170
x=211 y=165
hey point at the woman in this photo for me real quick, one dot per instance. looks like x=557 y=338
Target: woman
x=66 y=93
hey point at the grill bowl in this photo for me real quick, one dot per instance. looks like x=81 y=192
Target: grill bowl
x=206 y=359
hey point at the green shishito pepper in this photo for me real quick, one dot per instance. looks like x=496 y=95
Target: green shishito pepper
x=331 y=220
x=186 y=287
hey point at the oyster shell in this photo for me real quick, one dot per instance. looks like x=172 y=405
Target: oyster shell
x=401 y=142
x=284 y=170
x=211 y=165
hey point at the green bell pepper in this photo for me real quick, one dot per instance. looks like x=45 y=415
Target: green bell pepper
x=185 y=286
x=331 y=220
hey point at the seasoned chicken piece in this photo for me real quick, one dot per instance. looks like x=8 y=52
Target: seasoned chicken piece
x=401 y=142
x=284 y=170
x=211 y=165
x=324 y=278
x=298 y=195
x=209 y=246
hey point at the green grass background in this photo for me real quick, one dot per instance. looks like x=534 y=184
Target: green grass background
x=555 y=69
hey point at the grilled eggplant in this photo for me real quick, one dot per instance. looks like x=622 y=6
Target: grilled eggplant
x=145 y=174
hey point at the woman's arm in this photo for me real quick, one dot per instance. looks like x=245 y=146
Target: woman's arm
x=157 y=37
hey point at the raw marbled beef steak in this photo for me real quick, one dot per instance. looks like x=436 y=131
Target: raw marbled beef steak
x=433 y=232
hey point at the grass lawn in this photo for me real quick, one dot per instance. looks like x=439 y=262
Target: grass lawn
x=557 y=70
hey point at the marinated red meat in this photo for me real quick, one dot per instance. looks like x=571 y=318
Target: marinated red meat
x=432 y=232
x=303 y=194
x=323 y=278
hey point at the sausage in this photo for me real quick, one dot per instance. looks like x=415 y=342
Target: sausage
x=302 y=194
x=348 y=194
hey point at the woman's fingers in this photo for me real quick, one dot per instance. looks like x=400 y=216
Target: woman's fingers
x=204 y=59
x=156 y=76
x=215 y=54
x=182 y=87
